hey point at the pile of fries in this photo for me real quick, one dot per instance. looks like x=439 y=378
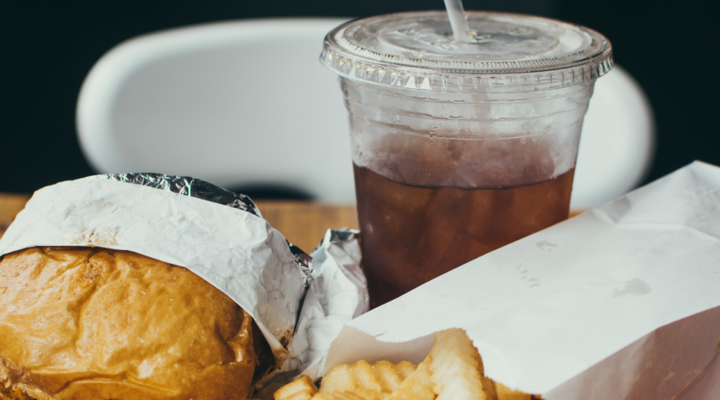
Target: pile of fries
x=452 y=371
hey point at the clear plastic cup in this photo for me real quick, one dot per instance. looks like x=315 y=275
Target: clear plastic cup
x=459 y=148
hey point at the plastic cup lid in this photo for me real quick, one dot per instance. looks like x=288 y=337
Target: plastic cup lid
x=416 y=50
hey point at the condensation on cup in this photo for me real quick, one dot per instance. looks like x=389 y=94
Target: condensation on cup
x=459 y=148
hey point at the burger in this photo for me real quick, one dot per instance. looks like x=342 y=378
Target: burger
x=144 y=287
x=94 y=323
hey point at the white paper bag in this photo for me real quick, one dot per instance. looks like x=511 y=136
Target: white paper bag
x=621 y=302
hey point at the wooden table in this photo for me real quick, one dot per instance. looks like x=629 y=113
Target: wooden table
x=302 y=223
x=10 y=205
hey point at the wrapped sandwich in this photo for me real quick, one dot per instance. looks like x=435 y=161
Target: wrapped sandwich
x=93 y=323
x=113 y=289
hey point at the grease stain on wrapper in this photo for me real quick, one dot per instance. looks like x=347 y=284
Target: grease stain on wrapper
x=633 y=287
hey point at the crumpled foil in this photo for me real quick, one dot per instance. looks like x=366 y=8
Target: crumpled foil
x=188 y=186
x=338 y=294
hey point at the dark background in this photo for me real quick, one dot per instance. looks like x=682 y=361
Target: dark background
x=47 y=47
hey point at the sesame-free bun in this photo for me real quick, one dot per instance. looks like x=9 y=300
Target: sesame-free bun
x=90 y=323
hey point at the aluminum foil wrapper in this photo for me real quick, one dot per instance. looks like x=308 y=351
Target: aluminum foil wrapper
x=187 y=186
x=217 y=234
x=337 y=295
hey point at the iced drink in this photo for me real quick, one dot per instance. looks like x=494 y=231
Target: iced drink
x=459 y=148
x=406 y=229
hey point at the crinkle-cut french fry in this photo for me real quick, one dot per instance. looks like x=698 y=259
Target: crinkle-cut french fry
x=350 y=378
x=405 y=369
x=457 y=338
x=390 y=375
x=341 y=396
x=505 y=393
x=417 y=386
x=365 y=379
x=456 y=367
x=302 y=388
x=488 y=386
x=452 y=371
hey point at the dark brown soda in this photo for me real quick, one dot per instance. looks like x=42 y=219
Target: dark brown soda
x=413 y=234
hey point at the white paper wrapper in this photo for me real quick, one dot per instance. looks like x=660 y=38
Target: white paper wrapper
x=236 y=251
x=621 y=302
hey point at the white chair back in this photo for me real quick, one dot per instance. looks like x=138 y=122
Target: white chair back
x=617 y=142
x=247 y=103
x=236 y=103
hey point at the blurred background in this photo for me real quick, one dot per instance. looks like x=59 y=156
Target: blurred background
x=48 y=47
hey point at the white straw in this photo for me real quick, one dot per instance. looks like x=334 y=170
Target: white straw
x=458 y=21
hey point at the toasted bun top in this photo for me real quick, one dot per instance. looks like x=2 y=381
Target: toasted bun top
x=80 y=323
